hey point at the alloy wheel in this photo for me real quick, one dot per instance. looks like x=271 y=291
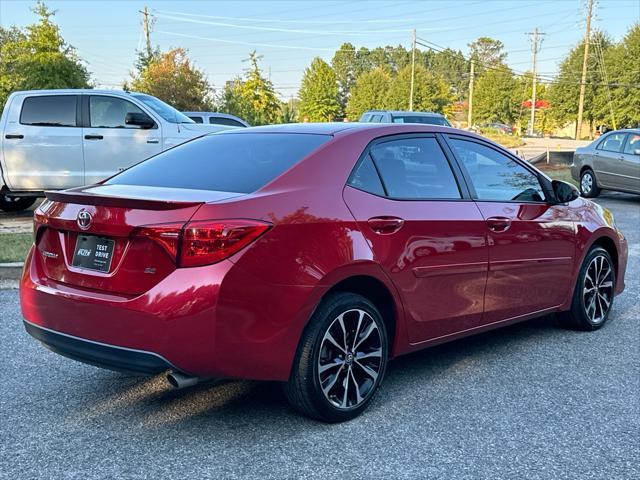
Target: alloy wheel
x=597 y=291
x=350 y=359
x=586 y=184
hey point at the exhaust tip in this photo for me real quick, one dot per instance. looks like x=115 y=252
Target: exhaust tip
x=180 y=380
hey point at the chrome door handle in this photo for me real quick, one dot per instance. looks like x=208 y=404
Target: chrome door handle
x=385 y=225
x=499 y=224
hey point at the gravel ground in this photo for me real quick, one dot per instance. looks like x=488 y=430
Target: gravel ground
x=527 y=401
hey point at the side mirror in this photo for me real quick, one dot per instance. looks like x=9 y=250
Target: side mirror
x=139 y=119
x=564 y=192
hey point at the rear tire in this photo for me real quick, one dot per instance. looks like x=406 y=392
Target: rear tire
x=594 y=292
x=588 y=184
x=341 y=359
x=9 y=203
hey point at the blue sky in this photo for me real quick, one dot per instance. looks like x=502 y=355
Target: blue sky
x=288 y=33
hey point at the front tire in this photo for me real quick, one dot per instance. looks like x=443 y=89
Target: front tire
x=341 y=359
x=588 y=184
x=9 y=203
x=594 y=292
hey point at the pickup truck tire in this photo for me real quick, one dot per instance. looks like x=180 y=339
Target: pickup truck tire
x=10 y=203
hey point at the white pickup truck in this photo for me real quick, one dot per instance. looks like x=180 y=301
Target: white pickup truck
x=57 y=139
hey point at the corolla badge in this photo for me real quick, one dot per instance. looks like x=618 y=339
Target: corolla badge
x=84 y=219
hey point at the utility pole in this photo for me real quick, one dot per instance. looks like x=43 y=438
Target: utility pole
x=413 y=68
x=147 y=33
x=471 y=79
x=536 y=40
x=583 y=81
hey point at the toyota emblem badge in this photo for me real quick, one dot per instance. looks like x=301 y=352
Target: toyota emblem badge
x=84 y=219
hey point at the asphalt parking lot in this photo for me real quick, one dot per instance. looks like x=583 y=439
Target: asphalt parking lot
x=528 y=401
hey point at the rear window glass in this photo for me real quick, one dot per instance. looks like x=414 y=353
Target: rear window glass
x=430 y=120
x=49 y=111
x=240 y=163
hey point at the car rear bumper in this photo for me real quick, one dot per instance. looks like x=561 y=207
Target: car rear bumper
x=111 y=357
x=215 y=321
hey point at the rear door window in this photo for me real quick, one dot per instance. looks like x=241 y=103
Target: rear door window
x=415 y=169
x=196 y=119
x=49 y=111
x=227 y=162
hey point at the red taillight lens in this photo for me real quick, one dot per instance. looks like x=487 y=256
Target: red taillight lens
x=203 y=242
x=167 y=236
x=207 y=242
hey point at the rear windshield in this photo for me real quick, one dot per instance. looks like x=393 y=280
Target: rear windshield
x=241 y=163
x=428 y=119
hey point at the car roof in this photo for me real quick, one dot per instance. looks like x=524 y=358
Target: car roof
x=76 y=91
x=406 y=113
x=332 y=128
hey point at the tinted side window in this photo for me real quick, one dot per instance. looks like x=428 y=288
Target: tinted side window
x=495 y=176
x=196 y=119
x=415 y=168
x=366 y=178
x=49 y=111
x=612 y=143
x=225 y=121
x=633 y=144
x=110 y=112
x=226 y=162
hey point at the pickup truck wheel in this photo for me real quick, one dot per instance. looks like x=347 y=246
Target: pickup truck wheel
x=10 y=203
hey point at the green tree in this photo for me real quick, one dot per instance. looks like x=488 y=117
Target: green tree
x=487 y=52
x=495 y=97
x=452 y=67
x=38 y=58
x=623 y=66
x=565 y=89
x=319 y=95
x=430 y=92
x=252 y=97
x=345 y=64
x=173 y=78
x=369 y=92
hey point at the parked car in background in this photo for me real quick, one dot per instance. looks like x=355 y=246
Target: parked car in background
x=57 y=139
x=610 y=162
x=216 y=118
x=311 y=254
x=399 y=116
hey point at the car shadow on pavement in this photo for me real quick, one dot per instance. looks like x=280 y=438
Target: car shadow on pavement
x=149 y=403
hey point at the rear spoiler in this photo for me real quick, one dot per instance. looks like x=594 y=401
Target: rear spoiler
x=86 y=198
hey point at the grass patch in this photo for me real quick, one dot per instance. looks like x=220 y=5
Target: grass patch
x=557 y=172
x=14 y=246
x=507 y=141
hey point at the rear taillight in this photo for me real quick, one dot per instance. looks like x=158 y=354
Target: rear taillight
x=203 y=242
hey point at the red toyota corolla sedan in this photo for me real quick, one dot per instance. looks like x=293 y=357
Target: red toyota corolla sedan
x=311 y=255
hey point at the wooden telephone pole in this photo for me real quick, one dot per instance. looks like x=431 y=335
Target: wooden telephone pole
x=536 y=40
x=585 y=59
x=470 y=109
x=147 y=33
x=413 y=68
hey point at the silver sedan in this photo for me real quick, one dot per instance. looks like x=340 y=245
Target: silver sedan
x=611 y=162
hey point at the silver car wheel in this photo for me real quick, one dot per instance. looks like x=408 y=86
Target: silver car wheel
x=350 y=359
x=597 y=289
x=586 y=184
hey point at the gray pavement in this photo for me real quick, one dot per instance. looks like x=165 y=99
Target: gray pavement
x=528 y=401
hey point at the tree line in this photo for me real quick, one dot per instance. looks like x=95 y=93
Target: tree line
x=355 y=80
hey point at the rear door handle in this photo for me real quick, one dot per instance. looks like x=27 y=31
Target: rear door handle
x=14 y=136
x=499 y=224
x=153 y=140
x=385 y=225
x=93 y=137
